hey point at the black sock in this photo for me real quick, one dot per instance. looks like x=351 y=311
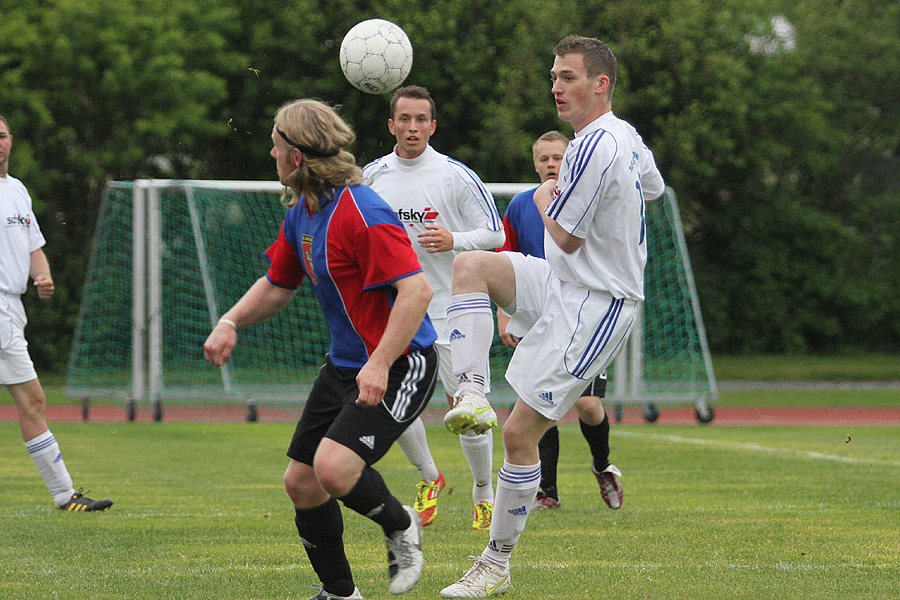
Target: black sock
x=371 y=498
x=548 y=449
x=597 y=437
x=321 y=531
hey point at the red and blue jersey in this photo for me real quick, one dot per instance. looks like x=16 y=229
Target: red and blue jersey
x=350 y=251
x=523 y=225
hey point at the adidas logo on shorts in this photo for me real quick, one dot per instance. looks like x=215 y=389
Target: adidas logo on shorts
x=456 y=334
x=546 y=397
x=368 y=440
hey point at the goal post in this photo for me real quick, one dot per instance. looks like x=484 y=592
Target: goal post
x=168 y=257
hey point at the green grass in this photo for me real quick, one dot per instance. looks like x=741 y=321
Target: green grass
x=768 y=367
x=710 y=512
x=810 y=398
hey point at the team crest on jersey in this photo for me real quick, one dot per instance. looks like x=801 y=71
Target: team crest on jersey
x=306 y=244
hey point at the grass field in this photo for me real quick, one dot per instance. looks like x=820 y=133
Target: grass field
x=758 y=512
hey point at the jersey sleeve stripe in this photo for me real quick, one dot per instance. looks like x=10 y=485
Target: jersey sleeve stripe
x=485 y=198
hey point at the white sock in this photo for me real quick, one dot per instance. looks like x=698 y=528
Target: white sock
x=517 y=486
x=479 y=451
x=46 y=455
x=414 y=443
x=471 y=321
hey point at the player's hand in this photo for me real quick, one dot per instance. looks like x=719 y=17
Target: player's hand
x=44 y=286
x=218 y=346
x=435 y=239
x=508 y=340
x=372 y=382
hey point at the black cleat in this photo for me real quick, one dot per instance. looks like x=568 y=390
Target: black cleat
x=79 y=502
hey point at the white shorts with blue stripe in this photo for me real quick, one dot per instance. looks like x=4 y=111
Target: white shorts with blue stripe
x=569 y=336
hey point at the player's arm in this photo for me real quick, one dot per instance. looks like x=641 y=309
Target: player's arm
x=413 y=295
x=567 y=242
x=39 y=271
x=263 y=300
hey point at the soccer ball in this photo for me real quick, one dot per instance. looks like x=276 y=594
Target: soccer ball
x=376 y=56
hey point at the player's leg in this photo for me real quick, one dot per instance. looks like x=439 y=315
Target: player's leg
x=594 y=423
x=477 y=448
x=548 y=448
x=478 y=278
x=18 y=374
x=517 y=486
x=414 y=441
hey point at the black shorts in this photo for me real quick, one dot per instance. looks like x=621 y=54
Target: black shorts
x=597 y=387
x=331 y=410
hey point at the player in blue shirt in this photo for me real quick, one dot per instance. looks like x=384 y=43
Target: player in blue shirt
x=381 y=369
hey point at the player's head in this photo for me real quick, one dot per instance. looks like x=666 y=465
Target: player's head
x=308 y=142
x=5 y=146
x=547 y=153
x=583 y=75
x=412 y=120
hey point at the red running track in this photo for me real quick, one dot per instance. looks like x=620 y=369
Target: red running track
x=668 y=415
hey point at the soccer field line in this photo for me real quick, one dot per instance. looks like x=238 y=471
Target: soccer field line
x=756 y=448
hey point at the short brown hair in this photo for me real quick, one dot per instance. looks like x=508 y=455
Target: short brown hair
x=550 y=136
x=416 y=92
x=598 y=58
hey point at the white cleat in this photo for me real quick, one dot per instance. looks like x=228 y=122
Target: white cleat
x=482 y=580
x=405 y=558
x=471 y=412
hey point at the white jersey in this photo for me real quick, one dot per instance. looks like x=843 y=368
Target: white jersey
x=436 y=189
x=606 y=175
x=19 y=235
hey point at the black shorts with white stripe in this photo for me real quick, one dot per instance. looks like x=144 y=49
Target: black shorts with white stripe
x=331 y=410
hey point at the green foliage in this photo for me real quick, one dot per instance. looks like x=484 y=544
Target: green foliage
x=785 y=154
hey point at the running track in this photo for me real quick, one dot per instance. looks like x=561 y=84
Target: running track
x=668 y=415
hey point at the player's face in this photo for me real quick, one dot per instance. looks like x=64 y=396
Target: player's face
x=5 y=147
x=579 y=99
x=286 y=157
x=412 y=125
x=548 y=156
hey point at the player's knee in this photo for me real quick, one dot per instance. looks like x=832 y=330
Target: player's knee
x=467 y=272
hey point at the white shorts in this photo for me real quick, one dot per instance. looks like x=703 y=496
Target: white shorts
x=445 y=362
x=573 y=334
x=15 y=363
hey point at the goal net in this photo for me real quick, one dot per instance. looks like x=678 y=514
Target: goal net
x=169 y=257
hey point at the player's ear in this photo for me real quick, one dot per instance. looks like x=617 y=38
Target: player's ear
x=296 y=157
x=433 y=126
x=602 y=82
x=391 y=126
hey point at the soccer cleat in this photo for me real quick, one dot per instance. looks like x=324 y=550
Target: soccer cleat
x=471 y=412
x=610 y=485
x=426 y=499
x=81 y=503
x=484 y=510
x=323 y=595
x=544 y=501
x=405 y=558
x=482 y=580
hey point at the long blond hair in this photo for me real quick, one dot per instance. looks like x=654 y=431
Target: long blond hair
x=321 y=135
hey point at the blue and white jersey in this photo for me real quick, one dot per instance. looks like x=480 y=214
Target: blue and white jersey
x=606 y=175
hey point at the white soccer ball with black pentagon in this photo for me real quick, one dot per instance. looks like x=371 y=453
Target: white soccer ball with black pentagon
x=376 y=56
